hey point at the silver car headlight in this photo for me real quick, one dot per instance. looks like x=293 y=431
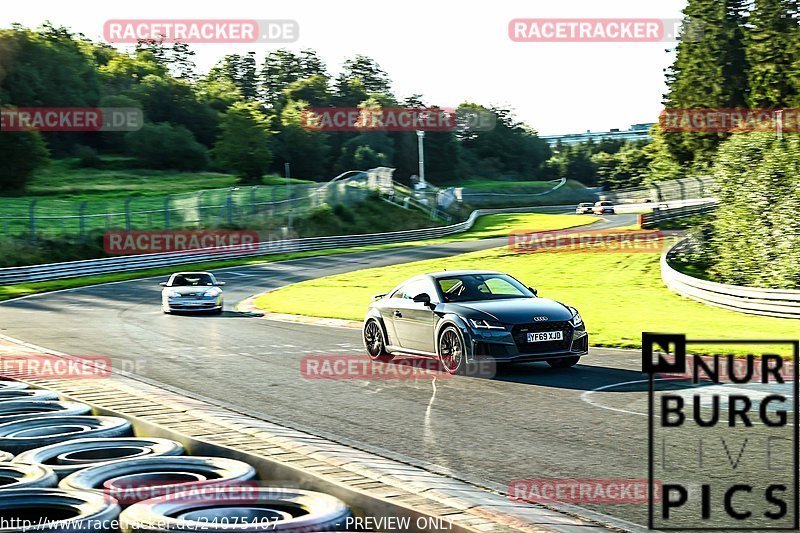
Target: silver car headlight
x=211 y=293
x=173 y=294
x=485 y=324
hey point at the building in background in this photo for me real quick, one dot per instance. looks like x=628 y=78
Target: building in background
x=637 y=132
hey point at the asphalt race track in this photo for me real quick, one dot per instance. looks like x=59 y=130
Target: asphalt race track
x=528 y=422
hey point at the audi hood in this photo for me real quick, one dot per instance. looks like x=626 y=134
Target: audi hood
x=512 y=310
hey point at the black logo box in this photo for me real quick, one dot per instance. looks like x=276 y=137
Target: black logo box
x=675 y=344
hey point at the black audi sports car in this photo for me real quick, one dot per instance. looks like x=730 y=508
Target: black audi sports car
x=461 y=317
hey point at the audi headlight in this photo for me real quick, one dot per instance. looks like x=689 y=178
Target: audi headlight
x=576 y=321
x=173 y=294
x=485 y=324
x=211 y=293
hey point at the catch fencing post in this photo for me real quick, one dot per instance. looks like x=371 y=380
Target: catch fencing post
x=166 y=211
x=32 y=214
x=288 y=195
x=229 y=206
x=200 y=208
x=82 y=218
x=128 y=213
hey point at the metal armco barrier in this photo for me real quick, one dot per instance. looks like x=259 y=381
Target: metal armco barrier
x=649 y=220
x=107 y=265
x=768 y=302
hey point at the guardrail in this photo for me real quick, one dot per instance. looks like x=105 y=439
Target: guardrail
x=108 y=265
x=768 y=302
x=648 y=220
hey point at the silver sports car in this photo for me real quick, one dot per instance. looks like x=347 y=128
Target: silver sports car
x=192 y=291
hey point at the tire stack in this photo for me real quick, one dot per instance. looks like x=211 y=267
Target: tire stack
x=64 y=470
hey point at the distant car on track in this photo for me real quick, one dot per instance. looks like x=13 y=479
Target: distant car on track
x=584 y=208
x=192 y=292
x=460 y=317
x=604 y=207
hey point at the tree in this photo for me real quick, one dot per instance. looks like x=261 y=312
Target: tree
x=241 y=71
x=307 y=151
x=361 y=76
x=166 y=99
x=283 y=68
x=771 y=53
x=243 y=145
x=22 y=153
x=710 y=71
x=166 y=146
x=756 y=237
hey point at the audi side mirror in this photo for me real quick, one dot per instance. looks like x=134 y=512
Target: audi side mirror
x=220 y=284
x=534 y=291
x=423 y=298
x=163 y=283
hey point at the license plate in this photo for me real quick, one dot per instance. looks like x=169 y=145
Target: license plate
x=546 y=336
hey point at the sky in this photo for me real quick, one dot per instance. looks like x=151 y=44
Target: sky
x=449 y=51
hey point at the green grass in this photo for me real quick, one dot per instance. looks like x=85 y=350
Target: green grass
x=618 y=295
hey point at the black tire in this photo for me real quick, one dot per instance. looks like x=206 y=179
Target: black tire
x=36 y=395
x=26 y=476
x=217 y=311
x=17 y=437
x=270 y=509
x=375 y=342
x=452 y=350
x=12 y=385
x=13 y=410
x=57 y=511
x=68 y=457
x=134 y=480
x=564 y=362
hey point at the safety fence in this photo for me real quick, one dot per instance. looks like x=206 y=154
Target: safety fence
x=665 y=212
x=664 y=191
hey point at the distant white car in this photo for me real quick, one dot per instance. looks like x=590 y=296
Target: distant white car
x=584 y=208
x=604 y=207
x=192 y=292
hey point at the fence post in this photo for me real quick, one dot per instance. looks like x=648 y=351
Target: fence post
x=288 y=195
x=702 y=189
x=32 y=214
x=229 y=206
x=128 y=213
x=166 y=211
x=82 y=218
x=200 y=208
x=253 y=200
